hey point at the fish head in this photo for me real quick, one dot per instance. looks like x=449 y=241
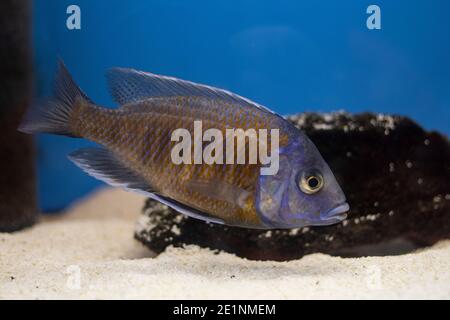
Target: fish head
x=304 y=191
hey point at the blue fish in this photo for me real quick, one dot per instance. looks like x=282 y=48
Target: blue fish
x=136 y=146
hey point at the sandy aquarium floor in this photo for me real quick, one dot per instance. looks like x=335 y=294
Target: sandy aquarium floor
x=90 y=253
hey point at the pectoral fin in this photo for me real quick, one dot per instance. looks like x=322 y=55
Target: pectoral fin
x=220 y=190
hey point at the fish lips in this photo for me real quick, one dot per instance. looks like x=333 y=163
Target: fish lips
x=335 y=215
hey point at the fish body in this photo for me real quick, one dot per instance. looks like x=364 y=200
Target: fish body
x=139 y=134
x=137 y=142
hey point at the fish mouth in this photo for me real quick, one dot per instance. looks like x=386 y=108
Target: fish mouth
x=338 y=213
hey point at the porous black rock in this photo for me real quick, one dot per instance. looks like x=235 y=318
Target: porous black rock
x=396 y=177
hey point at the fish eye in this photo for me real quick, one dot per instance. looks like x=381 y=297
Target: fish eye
x=311 y=182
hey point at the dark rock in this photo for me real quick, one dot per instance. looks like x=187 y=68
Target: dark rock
x=396 y=177
x=18 y=207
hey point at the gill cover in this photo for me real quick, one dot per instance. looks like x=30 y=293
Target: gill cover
x=271 y=196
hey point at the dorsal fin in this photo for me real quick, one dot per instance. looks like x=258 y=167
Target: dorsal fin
x=104 y=165
x=129 y=85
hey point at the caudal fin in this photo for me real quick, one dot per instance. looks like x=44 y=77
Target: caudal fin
x=54 y=114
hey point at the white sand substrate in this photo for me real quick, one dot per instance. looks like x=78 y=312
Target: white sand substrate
x=90 y=253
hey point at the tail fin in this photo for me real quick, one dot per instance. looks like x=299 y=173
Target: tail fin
x=53 y=116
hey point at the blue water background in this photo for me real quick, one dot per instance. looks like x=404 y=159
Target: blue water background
x=288 y=55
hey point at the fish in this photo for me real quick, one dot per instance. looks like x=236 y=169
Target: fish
x=135 y=143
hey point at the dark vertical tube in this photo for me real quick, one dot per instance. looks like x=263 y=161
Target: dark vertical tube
x=17 y=177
